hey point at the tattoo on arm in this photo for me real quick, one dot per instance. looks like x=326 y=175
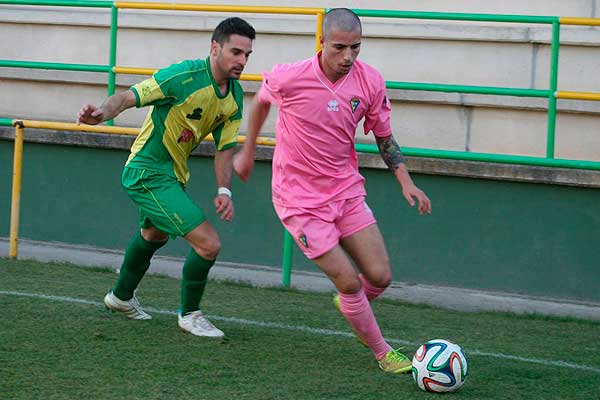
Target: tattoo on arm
x=390 y=152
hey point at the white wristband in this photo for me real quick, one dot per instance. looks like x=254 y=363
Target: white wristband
x=225 y=191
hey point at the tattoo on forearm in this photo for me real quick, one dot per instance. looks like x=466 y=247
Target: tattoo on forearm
x=390 y=152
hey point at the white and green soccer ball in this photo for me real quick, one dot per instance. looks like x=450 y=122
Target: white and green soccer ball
x=439 y=366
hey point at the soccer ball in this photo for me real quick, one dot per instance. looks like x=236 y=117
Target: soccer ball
x=439 y=366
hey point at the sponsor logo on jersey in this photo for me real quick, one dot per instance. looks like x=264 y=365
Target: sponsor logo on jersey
x=178 y=218
x=196 y=114
x=333 y=105
x=186 y=136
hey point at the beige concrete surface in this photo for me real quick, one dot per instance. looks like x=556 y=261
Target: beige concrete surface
x=268 y=276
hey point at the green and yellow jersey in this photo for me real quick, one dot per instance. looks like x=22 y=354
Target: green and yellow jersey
x=185 y=99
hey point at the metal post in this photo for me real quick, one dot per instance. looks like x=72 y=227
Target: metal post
x=16 y=191
x=553 y=88
x=114 y=17
x=288 y=252
x=319 y=31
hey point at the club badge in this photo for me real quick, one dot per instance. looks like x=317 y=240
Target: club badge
x=354 y=103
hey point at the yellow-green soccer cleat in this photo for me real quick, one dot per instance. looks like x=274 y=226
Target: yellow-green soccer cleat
x=395 y=362
x=336 y=303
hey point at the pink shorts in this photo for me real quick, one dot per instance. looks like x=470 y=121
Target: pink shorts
x=318 y=230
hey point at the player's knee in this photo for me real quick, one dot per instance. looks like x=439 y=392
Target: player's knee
x=382 y=281
x=348 y=286
x=209 y=249
x=153 y=235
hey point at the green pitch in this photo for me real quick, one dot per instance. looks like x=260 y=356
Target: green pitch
x=57 y=342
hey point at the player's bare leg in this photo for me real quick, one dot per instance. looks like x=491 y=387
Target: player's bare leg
x=367 y=249
x=355 y=307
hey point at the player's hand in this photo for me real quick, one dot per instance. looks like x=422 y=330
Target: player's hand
x=90 y=114
x=224 y=207
x=411 y=192
x=243 y=164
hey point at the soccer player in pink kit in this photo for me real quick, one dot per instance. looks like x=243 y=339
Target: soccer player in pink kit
x=318 y=193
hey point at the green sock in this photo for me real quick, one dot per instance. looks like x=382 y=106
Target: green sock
x=135 y=264
x=195 y=275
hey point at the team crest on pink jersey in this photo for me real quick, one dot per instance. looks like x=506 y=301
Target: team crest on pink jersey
x=302 y=239
x=354 y=102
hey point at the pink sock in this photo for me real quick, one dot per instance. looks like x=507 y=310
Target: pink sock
x=358 y=313
x=371 y=291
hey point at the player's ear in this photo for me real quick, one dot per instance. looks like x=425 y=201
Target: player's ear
x=215 y=47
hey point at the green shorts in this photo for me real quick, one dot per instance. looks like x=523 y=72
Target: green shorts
x=162 y=201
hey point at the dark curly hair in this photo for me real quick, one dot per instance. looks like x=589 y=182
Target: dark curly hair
x=232 y=26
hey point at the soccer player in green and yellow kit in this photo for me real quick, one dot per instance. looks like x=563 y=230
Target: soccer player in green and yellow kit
x=188 y=100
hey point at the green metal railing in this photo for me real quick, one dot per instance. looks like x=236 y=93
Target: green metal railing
x=551 y=93
x=527 y=19
x=5 y=122
x=487 y=157
x=67 y=3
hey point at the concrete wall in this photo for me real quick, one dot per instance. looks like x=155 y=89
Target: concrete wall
x=487 y=54
x=490 y=235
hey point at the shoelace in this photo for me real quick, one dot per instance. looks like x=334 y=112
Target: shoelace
x=199 y=319
x=135 y=304
x=396 y=356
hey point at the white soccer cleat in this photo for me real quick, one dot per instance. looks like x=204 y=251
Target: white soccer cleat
x=131 y=308
x=196 y=324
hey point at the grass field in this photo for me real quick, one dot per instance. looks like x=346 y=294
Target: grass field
x=58 y=342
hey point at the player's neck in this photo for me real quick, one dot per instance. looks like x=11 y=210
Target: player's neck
x=329 y=73
x=221 y=80
x=223 y=86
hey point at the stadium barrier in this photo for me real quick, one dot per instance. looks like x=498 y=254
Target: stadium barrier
x=20 y=126
x=552 y=93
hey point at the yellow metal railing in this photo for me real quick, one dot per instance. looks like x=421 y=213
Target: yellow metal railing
x=15 y=205
x=20 y=126
x=579 y=21
x=150 y=71
x=318 y=12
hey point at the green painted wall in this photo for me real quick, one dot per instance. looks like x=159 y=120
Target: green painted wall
x=525 y=238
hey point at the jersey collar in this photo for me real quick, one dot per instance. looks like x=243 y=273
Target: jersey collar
x=214 y=84
x=331 y=86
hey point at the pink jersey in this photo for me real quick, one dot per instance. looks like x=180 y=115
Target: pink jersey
x=315 y=161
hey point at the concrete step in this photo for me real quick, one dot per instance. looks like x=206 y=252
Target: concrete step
x=266 y=276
